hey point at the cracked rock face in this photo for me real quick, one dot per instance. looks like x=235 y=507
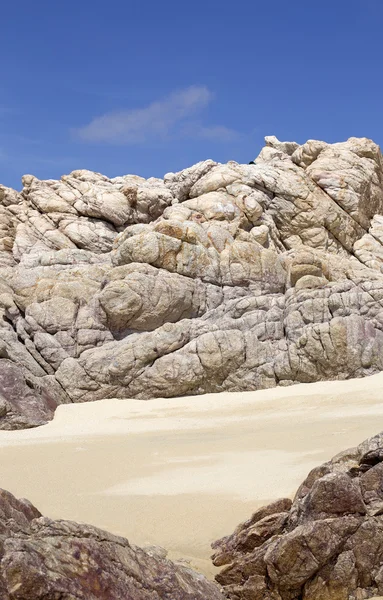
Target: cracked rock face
x=42 y=559
x=325 y=545
x=217 y=278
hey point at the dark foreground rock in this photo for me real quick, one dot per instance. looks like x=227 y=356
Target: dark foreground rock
x=42 y=559
x=325 y=545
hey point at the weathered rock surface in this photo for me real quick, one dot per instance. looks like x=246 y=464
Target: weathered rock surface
x=42 y=559
x=219 y=277
x=325 y=545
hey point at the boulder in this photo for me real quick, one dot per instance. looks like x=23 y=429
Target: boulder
x=325 y=545
x=41 y=558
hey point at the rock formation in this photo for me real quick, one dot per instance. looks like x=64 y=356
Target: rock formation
x=325 y=545
x=42 y=559
x=219 y=277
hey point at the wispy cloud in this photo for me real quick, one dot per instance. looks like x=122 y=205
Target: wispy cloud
x=160 y=120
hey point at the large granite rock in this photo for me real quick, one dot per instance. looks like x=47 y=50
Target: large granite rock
x=42 y=559
x=325 y=545
x=216 y=278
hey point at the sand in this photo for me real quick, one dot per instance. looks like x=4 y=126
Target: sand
x=182 y=472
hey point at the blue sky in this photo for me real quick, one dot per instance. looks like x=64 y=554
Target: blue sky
x=148 y=87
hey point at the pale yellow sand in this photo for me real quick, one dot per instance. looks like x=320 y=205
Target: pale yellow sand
x=182 y=472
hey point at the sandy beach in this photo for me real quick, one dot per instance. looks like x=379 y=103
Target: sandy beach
x=182 y=472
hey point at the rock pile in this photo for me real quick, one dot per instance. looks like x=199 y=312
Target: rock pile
x=325 y=545
x=41 y=559
x=219 y=277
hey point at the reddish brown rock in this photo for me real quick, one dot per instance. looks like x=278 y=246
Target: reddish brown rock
x=42 y=559
x=26 y=400
x=327 y=546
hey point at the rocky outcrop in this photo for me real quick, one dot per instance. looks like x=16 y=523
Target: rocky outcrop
x=325 y=545
x=219 y=277
x=42 y=559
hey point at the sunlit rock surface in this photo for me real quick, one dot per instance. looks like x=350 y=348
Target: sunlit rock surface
x=219 y=277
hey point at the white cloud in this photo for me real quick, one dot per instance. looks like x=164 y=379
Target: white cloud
x=159 y=120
